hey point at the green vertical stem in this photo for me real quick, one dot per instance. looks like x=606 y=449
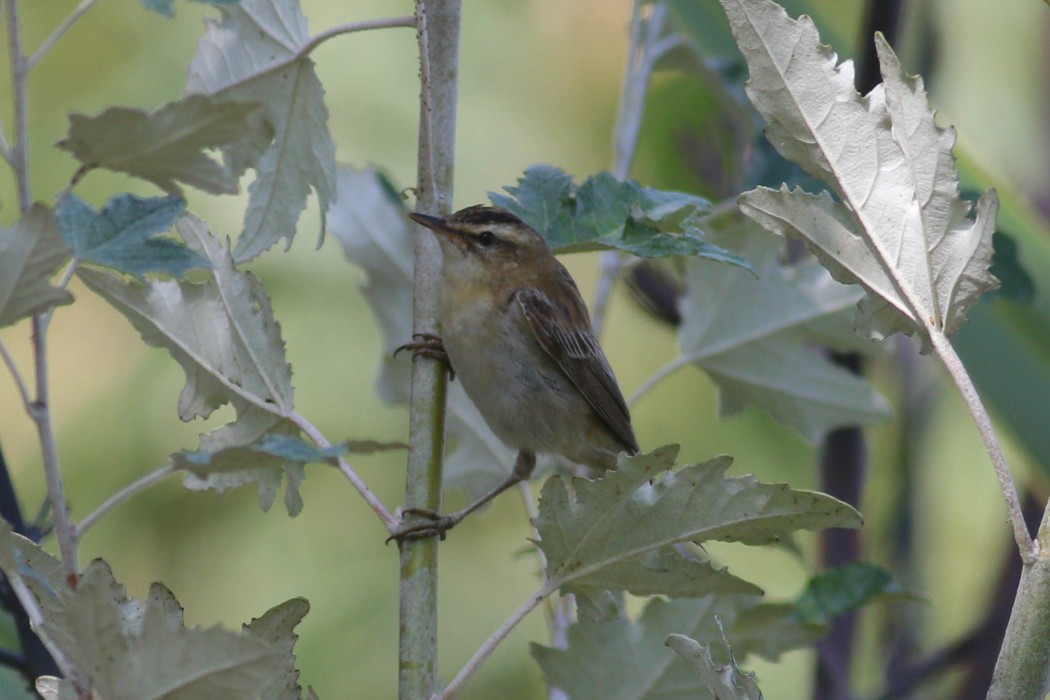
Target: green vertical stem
x=1022 y=671
x=437 y=26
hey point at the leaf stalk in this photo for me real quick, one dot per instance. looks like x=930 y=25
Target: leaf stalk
x=1028 y=548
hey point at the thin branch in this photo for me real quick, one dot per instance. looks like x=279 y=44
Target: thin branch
x=528 y=502
x=645 y=35
x=50 y=42
x=5 y=147
x=351 y=27
x=19 y=153
x=389 y=521
x=1025 y=545
x=40 y=407
x=41 y=414
x=485 y=650
x=720 y=209
x=154 y=477
x=660 y=375
x=63 y=283
x=642 y=56
x=556 y=623
x=23 y=390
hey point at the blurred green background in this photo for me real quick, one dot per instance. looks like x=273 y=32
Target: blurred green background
x=539 y=82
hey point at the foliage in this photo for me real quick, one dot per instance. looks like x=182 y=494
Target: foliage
x=903 y=248
x=902 y=231
x=606 y=214
x=165 y=146
x=30 y=251
x=124 y=648
x=618 y=530
x=123 y=235
x=256 y=55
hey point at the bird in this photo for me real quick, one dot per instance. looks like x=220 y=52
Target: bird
x=516 y=333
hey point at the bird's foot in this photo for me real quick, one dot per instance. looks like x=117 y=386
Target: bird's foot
x=435 y=525
x=428 y=345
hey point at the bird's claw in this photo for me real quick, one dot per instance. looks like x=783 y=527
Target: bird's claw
x=428 y=345
x=438 y=525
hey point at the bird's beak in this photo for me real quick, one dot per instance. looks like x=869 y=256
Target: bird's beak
x=440 y=228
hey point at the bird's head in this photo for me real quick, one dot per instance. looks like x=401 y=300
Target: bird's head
x=485 y=241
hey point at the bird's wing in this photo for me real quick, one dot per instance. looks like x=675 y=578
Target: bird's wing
x=564 y=332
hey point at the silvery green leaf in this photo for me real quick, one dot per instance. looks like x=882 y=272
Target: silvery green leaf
x=624 y=659
x=245 y=452
x=902 y=231
x=276 y=627
x=30 y=252
x=166 y=146
x=760 y=336
x=221 y=331
x=253 y=55
x=630 y=515
x=123 y=646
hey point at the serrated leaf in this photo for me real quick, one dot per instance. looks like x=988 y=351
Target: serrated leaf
x=628 y=660
x=725 y=682
x=221 y=331
x=370 y=223
x=127 y=648
x=276 y=627
x=760 y=336
x=123 y=235
x=887 y=161
x=253 y=55
x=227 y=458
x=261 y=449
x=844 y=588
x=629 y=514
x=30 y=252
x=608 y=214
x=166 y=146
x=137 y=661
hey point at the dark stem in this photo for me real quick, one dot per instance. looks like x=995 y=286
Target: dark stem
x=843 y=459
x=976 y=651
x=34 y=661
x=902 y=624
x=843 y=467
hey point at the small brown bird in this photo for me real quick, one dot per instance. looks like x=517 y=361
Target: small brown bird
x=518 y=336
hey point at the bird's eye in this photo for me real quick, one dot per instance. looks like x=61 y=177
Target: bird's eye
x=486 y=238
